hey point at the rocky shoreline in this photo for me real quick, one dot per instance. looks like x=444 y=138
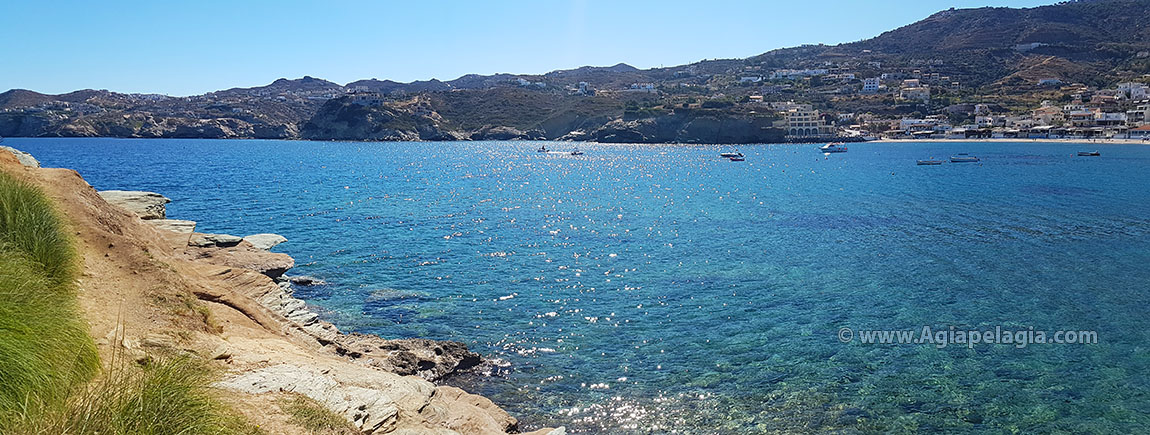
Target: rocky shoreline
x=249 y=321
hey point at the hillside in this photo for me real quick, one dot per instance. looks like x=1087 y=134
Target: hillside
x=997 y=55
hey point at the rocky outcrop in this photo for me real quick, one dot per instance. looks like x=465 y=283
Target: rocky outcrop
x=25 y=159
x=202 y=240
x=173 y=225
x=429 y=359
x=146 y=205
x=686 y=126
x=371 y=410
x=505 y=133
x=241 y=255
x=265 y=241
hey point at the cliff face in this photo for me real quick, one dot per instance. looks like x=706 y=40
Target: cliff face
x=145 y=292
x=688 y=127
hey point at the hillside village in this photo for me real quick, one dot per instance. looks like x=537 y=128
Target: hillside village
x=1070 y=70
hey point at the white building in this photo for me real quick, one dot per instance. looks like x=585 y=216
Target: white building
x=1134 y=91
x=806 y=123
x=871 y=85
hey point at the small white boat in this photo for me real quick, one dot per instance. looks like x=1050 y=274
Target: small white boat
x=1089 y=154
x=930 y=162
x=833 y=147
x=963 y=158
x=737 y=159
x=576 y=152
x=729 y=155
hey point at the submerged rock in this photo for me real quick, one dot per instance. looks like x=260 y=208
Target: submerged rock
x=306 y=280
x=175 y=225
x=265 y=241
x=146 y=205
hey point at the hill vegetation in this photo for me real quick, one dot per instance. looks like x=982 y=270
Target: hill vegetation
x=982 y=55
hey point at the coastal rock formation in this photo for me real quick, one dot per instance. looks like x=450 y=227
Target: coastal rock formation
x=173 y=225
x=242 y=255
x=370 y=410
x=179 y=302
x=265 y=241
x=146 y=205
x=429 y=359
x=25 y=159
x=202 y=240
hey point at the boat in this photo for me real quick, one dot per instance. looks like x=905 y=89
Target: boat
x=576 y=152
x=930 y=162
x=543 y=149
x=833 y=147
x=729 y=155
x=1088 y=154
x=737 y=159
x=963 y=158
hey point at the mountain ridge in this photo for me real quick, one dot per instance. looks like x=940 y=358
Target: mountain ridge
x=988 y=53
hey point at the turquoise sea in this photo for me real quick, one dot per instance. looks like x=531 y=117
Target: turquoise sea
x=661 y=289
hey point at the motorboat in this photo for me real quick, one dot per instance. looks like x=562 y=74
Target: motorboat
x=1088 y=154
x=963 y=158
x=833 y=147
x=543 y=149
x=930 y=162
x=737 y=158
x=576 y=152
x=729 y=155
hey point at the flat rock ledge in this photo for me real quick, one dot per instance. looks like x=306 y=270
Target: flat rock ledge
x=146 y=205
x=265 y=241
x=202 y=240
x=174 y=225
x=370 y=410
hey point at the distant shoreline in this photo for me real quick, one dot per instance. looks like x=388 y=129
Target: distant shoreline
x=972 y=140
x=1015 y=140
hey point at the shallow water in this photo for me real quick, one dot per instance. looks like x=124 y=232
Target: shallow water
x=662 y=289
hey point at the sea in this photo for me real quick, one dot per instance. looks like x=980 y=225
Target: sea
x=663 y=289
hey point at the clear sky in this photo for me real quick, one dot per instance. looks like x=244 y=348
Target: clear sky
x=185 y=48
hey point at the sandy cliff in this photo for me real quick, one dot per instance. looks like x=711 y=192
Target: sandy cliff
x=144 y=291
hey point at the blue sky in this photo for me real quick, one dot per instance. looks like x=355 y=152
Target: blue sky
x=185 y=48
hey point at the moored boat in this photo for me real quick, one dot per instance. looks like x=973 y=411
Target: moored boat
x=963 y=158
x=1088 y=154
x=930 y=162
x=833 y=147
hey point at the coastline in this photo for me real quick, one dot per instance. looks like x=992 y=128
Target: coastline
x=1016 y=140
x=147 y=292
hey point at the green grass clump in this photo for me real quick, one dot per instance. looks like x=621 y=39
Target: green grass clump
x=312 y=416
x=169 y=396
x=45 y=348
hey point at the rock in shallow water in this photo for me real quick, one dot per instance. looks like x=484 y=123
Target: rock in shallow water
x=265 y=241
x=146 y=205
